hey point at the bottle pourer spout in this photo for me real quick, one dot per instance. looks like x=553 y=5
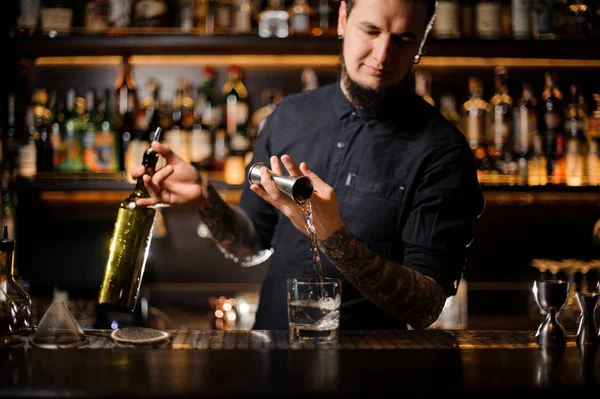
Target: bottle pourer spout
x=156 y=135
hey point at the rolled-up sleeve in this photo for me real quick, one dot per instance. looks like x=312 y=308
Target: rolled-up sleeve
x=439 y=227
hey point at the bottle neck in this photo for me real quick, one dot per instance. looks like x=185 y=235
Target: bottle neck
x=149 y=162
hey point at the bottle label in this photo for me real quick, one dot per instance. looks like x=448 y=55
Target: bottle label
x=201 y=145
x=488 y=20
x=106 y=149
x=446 y=24
x=300 y=23
x=27 y=160
x=521 y=17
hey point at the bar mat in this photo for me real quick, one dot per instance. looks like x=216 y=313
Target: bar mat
x=359 y=339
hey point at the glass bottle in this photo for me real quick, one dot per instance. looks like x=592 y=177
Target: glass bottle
x=448 y=109
x=107 y=145
x=447 y=20
x=526 y=129
x=501 y=131
x=300 y=15
x=521 y=19
x=14 y=290
x=488 y=19
x=236 y=101
x=576 y=123
x=27 y=148
x=129 y=245
x=42 y=123
x=475 y=111
x=273 y=20
x=423 y=86
x=8 y=314
x=72 y=131
x=553 y=125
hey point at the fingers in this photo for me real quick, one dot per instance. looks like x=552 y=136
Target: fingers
x=152 y=188
x=269 y=185
x=159 y=177
x=138 y=171
x=290 y=165
x=166 y=152
x=275 y=165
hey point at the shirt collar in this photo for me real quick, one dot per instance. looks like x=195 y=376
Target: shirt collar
x=343 y=107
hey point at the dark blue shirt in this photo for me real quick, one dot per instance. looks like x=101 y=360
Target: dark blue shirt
x=405 y=182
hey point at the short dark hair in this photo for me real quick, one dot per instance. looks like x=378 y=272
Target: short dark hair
x=431 y=4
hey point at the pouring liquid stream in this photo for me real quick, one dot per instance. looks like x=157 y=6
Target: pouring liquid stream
x=306 y=210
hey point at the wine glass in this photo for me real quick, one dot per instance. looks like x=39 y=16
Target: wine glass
x=551 y=296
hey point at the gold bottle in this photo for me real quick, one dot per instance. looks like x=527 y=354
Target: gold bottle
x=129 y=245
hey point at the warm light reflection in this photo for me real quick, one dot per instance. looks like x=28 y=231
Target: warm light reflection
x=314 y=60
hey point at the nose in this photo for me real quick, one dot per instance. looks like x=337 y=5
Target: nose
x=381 y=50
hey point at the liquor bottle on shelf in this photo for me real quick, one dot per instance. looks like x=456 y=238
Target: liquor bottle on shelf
x=201 y=144
x=221 y=149
x=178 y=135
x=124 y=87
x=58 y=118
x=106 y=142
x=553 y=125
x=274 y=20
x=242 y=16
x=150 y=14
x=235 y=95
x=129 y=244
x=537 y=169
x=11 y=140
x=300 y=16
x=130 y=138
x=521 y=19
x=72 y=131
x=501 y=130
x=223 y=16
x=13 y=289
x=447 y=20
x=488 y=19
x=270 y=97
x=593 y=162
x=525 y=129
x=423 y=86
x=27 y=149
x=42 y=123
x=542 y=19
x=576 y=124
x=88 y=139
x=475 y=111
x=208 y=101
x=448 y=109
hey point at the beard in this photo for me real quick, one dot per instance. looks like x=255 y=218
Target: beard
x=365 y=98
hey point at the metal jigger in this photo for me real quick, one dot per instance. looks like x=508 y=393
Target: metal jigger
x=551 y=296
x=587 y=331
x=299 y=188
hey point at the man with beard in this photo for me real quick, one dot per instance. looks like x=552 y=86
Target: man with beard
x=396 y=192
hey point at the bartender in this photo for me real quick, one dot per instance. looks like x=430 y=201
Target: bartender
x=396 y=190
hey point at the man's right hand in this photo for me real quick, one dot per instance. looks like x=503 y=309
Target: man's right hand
x=178 y=182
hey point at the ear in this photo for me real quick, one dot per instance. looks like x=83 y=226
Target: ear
x=341 y=26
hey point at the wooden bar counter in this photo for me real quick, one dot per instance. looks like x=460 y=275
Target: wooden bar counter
x=262 y=363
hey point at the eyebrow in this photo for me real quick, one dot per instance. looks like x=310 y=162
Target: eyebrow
x=404 y=35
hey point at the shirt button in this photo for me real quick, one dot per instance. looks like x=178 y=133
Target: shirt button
x=341 y=145
x=353 y=113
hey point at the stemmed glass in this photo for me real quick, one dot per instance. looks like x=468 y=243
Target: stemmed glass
x=551 y=296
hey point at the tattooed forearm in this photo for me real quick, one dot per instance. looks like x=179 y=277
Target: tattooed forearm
x=230 y=227
x=397 y=289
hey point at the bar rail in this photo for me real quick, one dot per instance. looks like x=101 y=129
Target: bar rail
x=263 y=363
